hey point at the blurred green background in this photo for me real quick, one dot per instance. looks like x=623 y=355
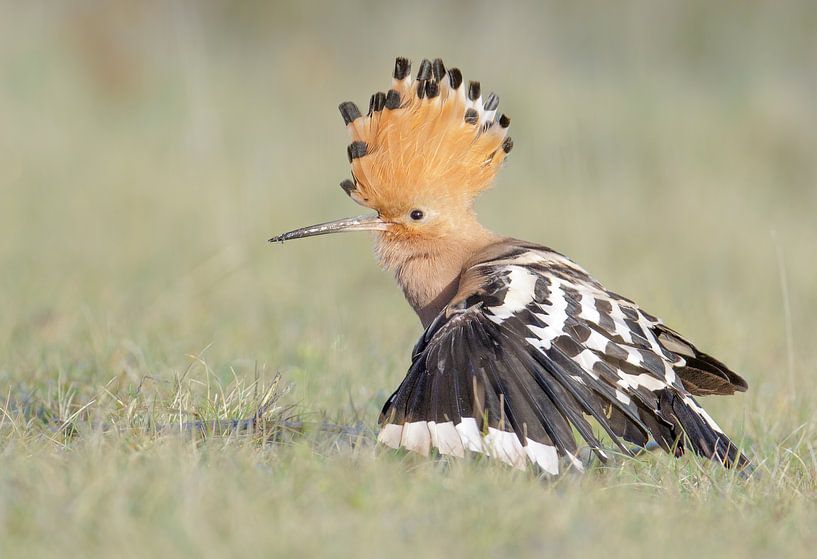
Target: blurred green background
x=148 y=149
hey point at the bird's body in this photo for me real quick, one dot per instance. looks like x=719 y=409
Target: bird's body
x=527 y=346
x=521 y=346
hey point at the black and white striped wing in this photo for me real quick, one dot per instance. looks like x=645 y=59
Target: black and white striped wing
x=533 y=349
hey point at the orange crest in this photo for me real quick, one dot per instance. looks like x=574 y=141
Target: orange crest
x=426 y=139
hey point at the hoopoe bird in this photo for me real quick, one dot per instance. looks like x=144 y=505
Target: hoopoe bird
x=521 y=345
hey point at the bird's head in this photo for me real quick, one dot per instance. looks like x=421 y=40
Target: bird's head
x=420 y=156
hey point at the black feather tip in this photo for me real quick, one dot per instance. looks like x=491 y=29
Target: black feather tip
x=377 y=102
x=455 y=77
x=507 y=145
x=432 y=89
x=348 y=111
x=438 y=68
x=504 y=120
x=424 y=73
x=473 y=91
x=471 y=116
x=402 y=68
x=492 y=102
x=392 y=99
x=356 y=149
x=348 y=186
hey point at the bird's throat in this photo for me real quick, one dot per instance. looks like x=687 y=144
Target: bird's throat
x=428 y=271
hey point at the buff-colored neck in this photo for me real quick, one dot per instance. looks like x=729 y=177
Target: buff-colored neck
x=428 y=271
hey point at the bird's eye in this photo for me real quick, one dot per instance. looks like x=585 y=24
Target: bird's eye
x=416 y=215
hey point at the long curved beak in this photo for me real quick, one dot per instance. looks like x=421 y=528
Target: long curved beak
x=359 y=223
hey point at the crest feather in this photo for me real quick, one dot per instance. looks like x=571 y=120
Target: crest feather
x=429 y=137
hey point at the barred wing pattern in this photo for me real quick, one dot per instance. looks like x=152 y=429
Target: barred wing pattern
x=529 y=348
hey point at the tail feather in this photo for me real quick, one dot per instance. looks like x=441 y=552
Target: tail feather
x=702 y=374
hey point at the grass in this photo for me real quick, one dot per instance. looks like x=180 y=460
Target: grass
x=147 y=153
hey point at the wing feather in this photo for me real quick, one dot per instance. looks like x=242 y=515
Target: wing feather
x=511 y=367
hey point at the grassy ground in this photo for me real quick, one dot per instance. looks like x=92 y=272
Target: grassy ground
x=147 y=152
